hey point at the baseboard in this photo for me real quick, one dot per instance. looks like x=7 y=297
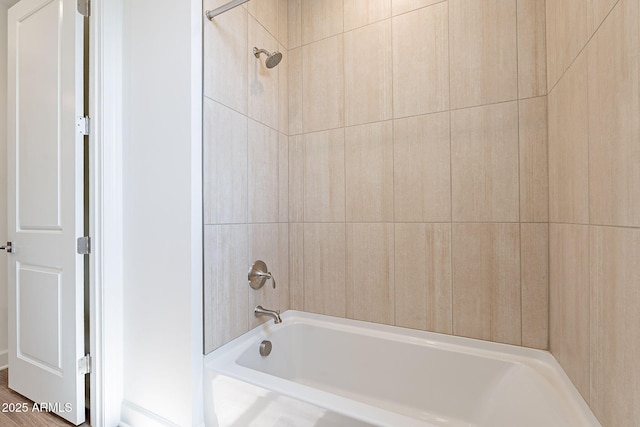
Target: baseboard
x=4 y=359
x=133 y=415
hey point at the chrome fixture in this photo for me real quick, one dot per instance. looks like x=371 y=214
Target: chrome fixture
x=210 y=14
x=273 y=59
x=265 y=348
x=261 y=311
x=8 y=247
x=258 y=275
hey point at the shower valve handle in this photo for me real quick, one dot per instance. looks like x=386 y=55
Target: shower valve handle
x=268 y=275
x=258 y=275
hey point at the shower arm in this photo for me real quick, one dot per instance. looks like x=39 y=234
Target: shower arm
x=257 y=52
x=210 y=14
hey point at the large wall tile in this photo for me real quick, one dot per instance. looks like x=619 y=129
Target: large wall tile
x=323 y=84
x=569 y=301
x=486 y=282
x=484 y=67
x=283 y=25
x=370 y=272
x=269 y=243
x=283 y=178
x=422 y=172
x=296 y=266
x=534 y=257
x=367 y=92
x=263 y=173
x=358 y=13
x=532 y=53
x=615 y=325
x=294 y=89
x=566 y=23
x=294 y=23
x=420 y=61
x=324 y=180
x=283 y=92
x=369 y=172
x=263 y=82
x=226 y=293
x=321 y=19
x=325 y=269
x=614 y=124
x=484 y=163
x=568 y=147
x=225 y=72
x=423 y=276
x=296 y=178
x=225 y=165
x=534 y=175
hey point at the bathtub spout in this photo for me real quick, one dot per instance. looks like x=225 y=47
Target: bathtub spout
x=261 y=311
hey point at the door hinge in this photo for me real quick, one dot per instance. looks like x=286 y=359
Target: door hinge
x=84 y=8
x=84 y=245
x=84 y=364
x=84 y=125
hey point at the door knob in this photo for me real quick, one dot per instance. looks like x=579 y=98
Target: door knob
x=7 y=248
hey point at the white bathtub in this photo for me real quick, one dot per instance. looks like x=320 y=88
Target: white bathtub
x=325 y=371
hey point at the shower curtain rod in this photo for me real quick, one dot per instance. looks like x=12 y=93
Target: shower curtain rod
x=210 y=14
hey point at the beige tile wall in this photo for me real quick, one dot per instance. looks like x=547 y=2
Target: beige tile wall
x=423 y=276
x=484 y=51
x=420 y=61
x=594 y=199
x=534 y=277
x=422 y=168
x=393 y=167
x=246 y=166
x=486 y=281
x=418 y=191
x=402 y=165
x=364 y=81
x=569 y=301
x=369 y=172
x=484 y=163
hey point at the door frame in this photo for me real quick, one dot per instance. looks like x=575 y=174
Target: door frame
x=105 y=210
x=107 y=52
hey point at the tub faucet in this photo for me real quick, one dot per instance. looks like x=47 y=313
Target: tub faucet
x=261 y=311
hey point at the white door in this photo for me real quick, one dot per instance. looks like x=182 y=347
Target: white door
x=45 y=175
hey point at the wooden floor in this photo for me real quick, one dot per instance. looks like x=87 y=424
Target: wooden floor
x=23 y=419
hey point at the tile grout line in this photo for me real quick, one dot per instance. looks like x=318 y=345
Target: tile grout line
x=393 y=183
x=344 y=162
x=247 y=249
x=450 y=113
x=416 y=115
x=590 y=231
x=519 y=210
x=547 y=91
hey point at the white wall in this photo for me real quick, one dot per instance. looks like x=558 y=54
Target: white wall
x=4 y=359
x=162 y=285
x=162 y=296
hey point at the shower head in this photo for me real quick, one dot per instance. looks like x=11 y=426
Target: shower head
x=273 y=59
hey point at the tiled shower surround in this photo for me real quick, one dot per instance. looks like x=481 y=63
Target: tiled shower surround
x=594 y=201
x=397 y=167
